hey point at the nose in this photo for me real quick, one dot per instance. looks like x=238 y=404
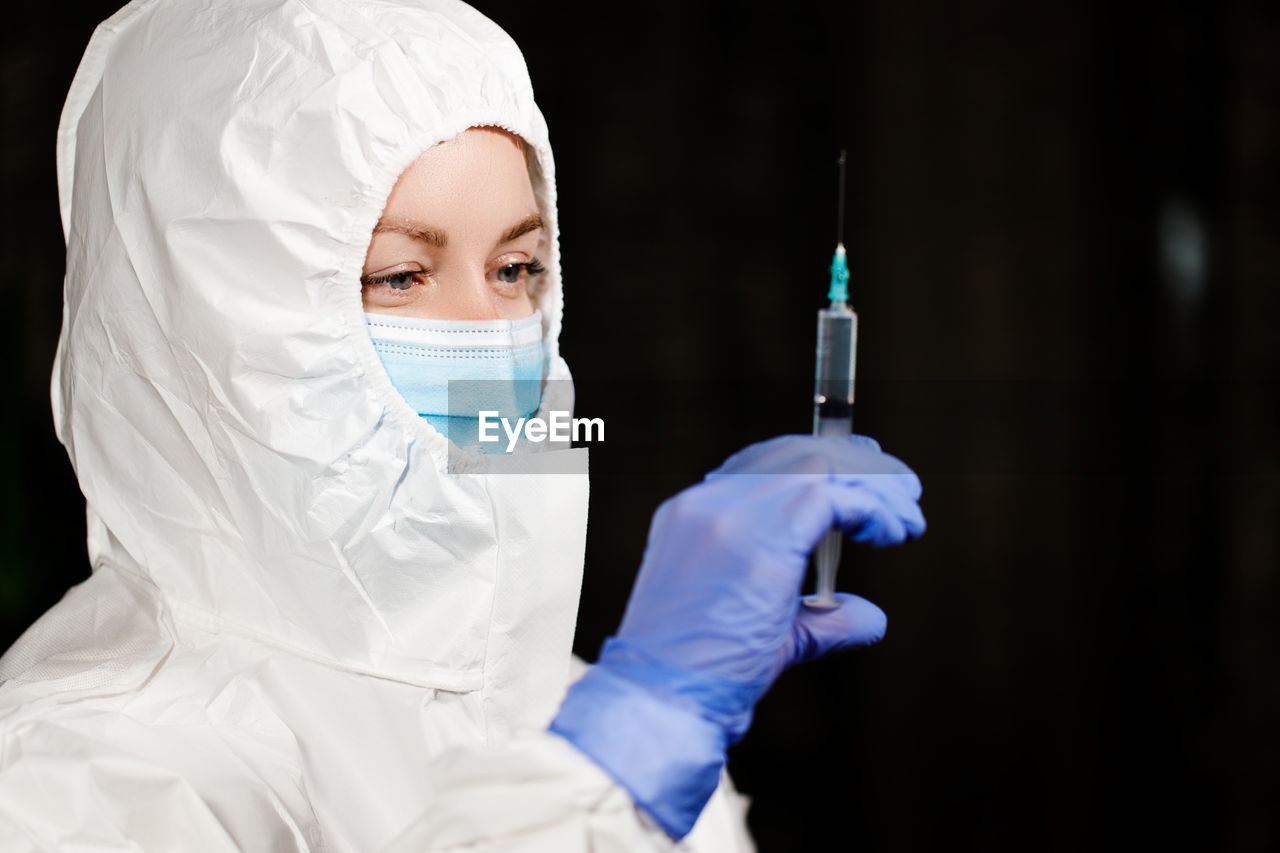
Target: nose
x=475 y=299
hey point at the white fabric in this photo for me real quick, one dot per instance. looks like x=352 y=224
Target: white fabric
x=301 y=632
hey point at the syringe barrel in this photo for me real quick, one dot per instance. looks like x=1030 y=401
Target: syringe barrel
x=833 y=376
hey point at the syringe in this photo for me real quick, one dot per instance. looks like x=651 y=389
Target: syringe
x=833 y=389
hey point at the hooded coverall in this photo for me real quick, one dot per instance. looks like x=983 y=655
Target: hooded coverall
x=300 y=632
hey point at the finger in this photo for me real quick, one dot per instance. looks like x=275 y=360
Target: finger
x=908 y=478
x=827 y=457
x=775 y=456
x=913 y=521
x=892 y=488
x=858 y=458
x=855 y=623
x=903 y=502
x=904 y=508
x=865 y=441
x=808 y=506
x=877 y=467
x=867 y=517
x=811 y=507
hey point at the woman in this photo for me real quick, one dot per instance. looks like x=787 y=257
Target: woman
x=303 y=630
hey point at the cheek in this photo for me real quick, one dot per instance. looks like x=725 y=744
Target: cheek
x=518 y=308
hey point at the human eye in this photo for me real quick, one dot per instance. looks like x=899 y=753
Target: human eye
x=516 y=273
x=395 y=283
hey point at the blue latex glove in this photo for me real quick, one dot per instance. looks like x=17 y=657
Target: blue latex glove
x=716 y=615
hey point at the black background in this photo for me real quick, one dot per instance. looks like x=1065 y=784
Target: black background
x=1083 y=650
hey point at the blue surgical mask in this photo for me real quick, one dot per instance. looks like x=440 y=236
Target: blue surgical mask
x=494 y=365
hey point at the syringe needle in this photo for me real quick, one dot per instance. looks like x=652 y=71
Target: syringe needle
x=839 y=290
x=840 y=200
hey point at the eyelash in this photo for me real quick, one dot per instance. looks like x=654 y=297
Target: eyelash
x=403 y=275
x=531 y=268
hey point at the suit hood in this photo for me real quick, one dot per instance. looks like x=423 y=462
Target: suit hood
x=242 y=453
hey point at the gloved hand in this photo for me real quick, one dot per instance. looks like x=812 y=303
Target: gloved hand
x=715 y=615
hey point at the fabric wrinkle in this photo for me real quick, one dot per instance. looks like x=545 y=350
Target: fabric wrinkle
x=310 y=631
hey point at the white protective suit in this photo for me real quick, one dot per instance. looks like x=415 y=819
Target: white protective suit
x=301 y=632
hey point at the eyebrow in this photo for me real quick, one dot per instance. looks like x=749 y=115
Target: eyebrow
x=532 y=222
x=430 y=236
x=437 y=238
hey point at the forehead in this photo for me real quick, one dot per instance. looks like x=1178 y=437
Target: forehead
x=482 y=166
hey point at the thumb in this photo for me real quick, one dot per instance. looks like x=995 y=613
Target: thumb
x=853 y=624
